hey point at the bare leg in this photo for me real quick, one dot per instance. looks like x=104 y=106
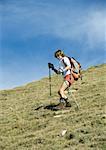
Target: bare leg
x=64 y=86
x=63 y=98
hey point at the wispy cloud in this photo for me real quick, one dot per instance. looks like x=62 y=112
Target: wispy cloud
x=69 y=23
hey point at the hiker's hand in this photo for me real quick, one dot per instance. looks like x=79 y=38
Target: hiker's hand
x=60 y=71
x=51 y=66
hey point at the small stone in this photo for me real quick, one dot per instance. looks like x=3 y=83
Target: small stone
x=63 y=132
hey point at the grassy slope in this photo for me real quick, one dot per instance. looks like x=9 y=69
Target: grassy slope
x=24 y=128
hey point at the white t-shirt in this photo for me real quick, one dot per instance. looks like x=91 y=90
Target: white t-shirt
x=62 y=65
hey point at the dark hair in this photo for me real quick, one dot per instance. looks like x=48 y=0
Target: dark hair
x=59 y=53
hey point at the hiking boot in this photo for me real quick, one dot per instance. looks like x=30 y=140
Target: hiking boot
x=67 y=103
x=63 y=100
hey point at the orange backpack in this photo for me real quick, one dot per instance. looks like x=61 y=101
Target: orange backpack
x=75 y=68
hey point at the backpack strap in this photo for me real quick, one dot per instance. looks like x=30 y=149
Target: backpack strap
x=69 y=60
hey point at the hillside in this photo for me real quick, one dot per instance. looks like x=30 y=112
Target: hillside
x=22 y=127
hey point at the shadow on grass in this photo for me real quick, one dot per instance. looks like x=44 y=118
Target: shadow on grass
x=49 y=107
x=52 y=107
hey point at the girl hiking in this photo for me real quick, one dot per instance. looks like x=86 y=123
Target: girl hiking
x=65 y=68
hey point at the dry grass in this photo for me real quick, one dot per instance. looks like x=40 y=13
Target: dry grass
x=24 y=128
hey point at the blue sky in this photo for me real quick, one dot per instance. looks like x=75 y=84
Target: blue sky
x=31 y=31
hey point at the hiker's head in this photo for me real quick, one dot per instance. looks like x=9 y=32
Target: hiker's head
x=59 y=53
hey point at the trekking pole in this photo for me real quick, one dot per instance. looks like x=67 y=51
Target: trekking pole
x=50 y=81
x=75 y=101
